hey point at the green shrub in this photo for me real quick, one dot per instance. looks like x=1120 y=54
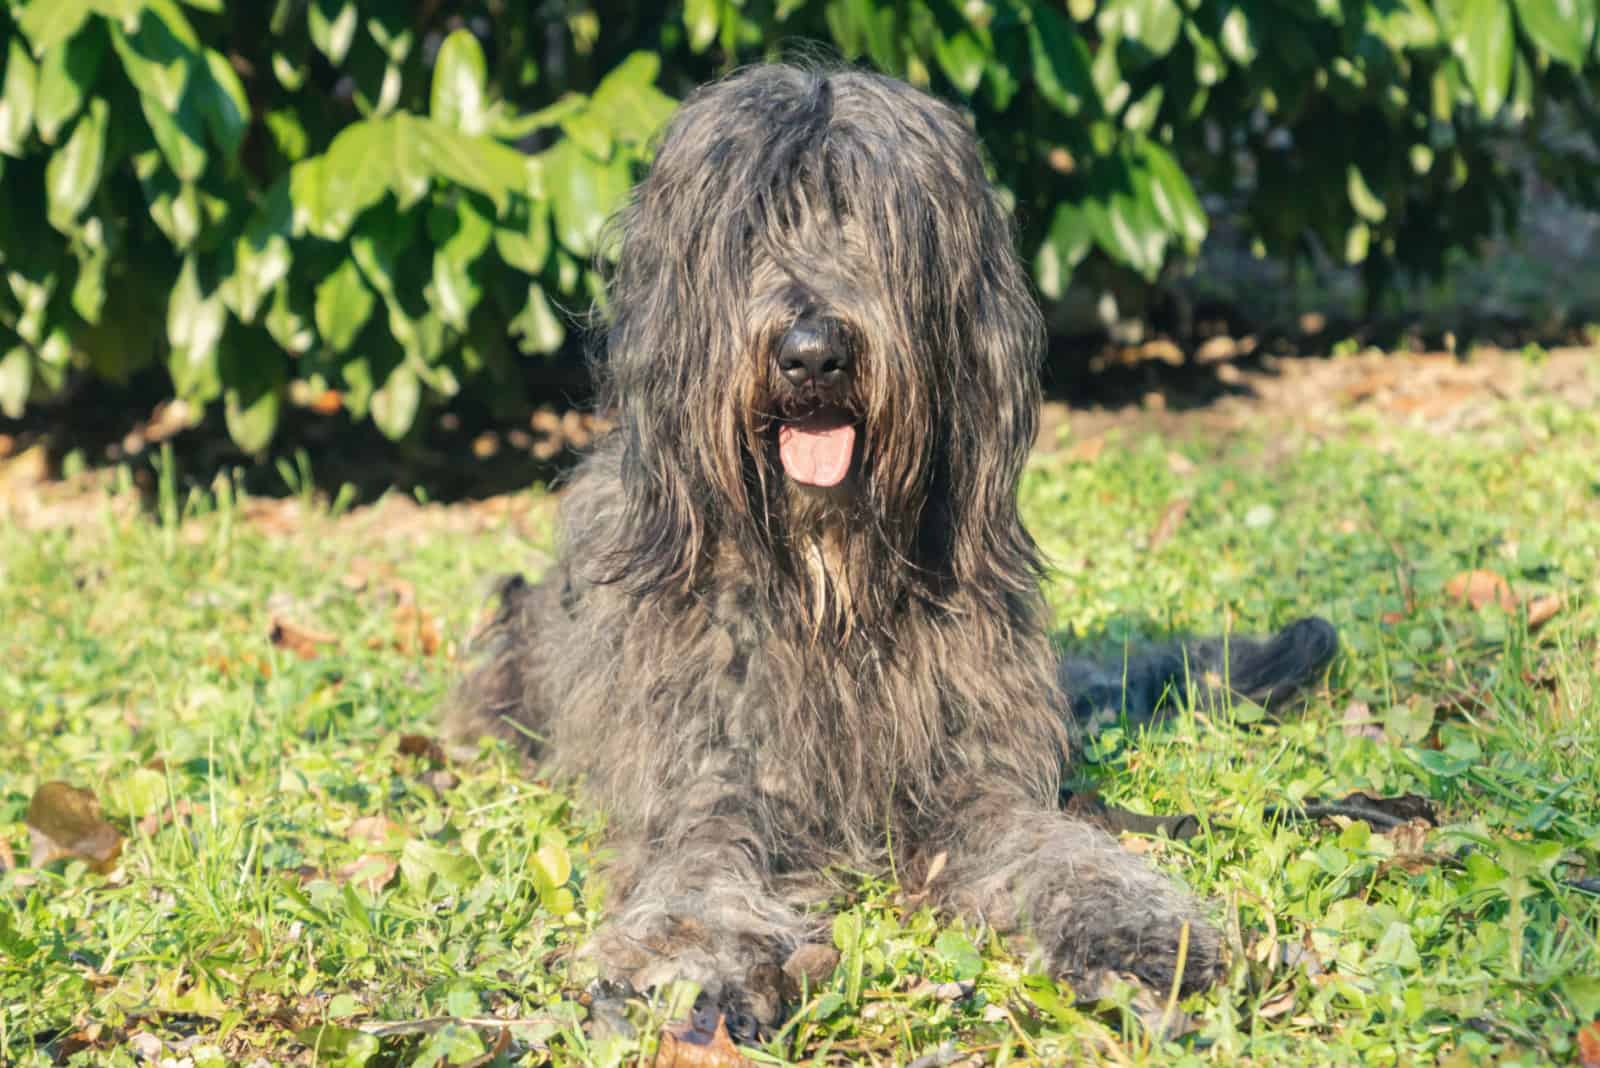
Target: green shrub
x=399 y=202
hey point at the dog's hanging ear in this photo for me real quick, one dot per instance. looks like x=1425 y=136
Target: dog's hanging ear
x=993 y=403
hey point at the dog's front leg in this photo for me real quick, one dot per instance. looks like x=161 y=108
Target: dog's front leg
x=1091 y=907
x=698 y=903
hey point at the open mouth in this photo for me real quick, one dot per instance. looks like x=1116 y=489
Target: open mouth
x=816 y=448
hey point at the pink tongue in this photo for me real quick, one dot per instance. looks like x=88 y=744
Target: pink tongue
x=817 y=457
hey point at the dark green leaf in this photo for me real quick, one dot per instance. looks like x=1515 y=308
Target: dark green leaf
x=629 y=101
x=1367 y=204
x=460 y=92
x=1173 y=196
x=253 y=374
x=1481 y=37
x=1060 y=61
x=526 y=250
x=333 y=26
x=962 y=58
x=344 y=303
x=394 y=408
x=1239 y=33
x=377 y=243
x=195 y=322
x=17 y=98
x=261 y=256
x=455 y=290
x=48 y=23
x=1063 y=249
x=73 y=173
x=1152 y=25
x=16 y=380
x=702 y=19
x=1563 y=28
x=479 y=163
x=222 y=102
x=583 y=194
x=156 y=62
x=352 y=176
x=537 y=325
x=66 y=74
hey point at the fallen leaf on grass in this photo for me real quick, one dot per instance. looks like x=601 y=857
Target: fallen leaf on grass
x=375 y=829
x=153 y=821
x=1542 y=610
x=1358 y=722
x=372 y=871
x=64 y=822
x=1171 y=519
x=1087 y=450
x=1277 y=1006
x=686 y=1046
x=303 y=642
x=1589 y=1045
x=420 y=745
x=1478 y=588
x=808 y=967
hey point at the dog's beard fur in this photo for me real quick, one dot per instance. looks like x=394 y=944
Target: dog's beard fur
x=759 y=677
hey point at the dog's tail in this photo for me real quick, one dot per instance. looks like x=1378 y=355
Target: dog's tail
x=1149 y=681
x=493 y=695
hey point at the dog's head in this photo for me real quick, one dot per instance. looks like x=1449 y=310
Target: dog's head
x=821 y=331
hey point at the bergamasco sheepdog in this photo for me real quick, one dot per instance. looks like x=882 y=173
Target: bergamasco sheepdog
x=795 y=627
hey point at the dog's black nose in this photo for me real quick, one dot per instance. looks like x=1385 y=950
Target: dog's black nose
x=813 y=352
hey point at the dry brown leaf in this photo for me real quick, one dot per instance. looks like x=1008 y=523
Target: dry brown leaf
x=1542 y=610
x=64 y=822
x=180 y=809
x=1087 y=450
x=1358 y=722
x=808 y=967
x=303 y=642
x=1277 y=1006
x=682 y=1046
x=1478 y=588
x=420 y=745
x=1171 y=519
x=1180 y=465
x=1589 y=1045
x=415 y=631
x=328 y=402
x=370 y=870
x=375 y=829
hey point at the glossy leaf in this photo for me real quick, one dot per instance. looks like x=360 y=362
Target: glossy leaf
x=222 y=103
x=1173 y=196
x=73 y=172
x=394 y=408
x=962 y=58
x=16 y=381
x=536 y=325
x=49 y=23
x=1151 y=25
x=1480 y=36
x=253 y=374
x=1563 y=28
x=627 y=98
x=583 y=193
x=702 y=18
x=460 y=91
x=526 y=250
x=195 y=321
x=344 y=303
x=1064 y=247
x=332 y=24
x=66 y=74
x=17 y=98
x=464 y=235
x=261 y=256
x=1060 y=61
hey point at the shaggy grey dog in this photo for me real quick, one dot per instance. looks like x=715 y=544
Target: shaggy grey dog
x=796 y=623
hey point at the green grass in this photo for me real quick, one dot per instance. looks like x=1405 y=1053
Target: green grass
x=135 y=661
